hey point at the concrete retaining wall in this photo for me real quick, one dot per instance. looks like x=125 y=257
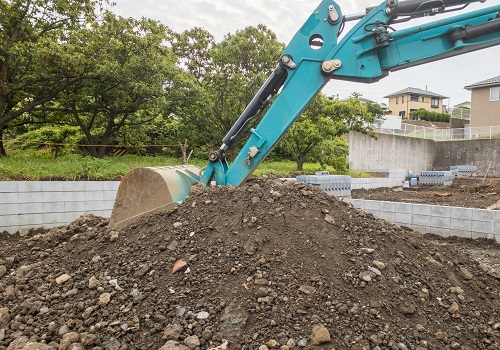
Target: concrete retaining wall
x=415 y=154
x=484 y=154
x=390 y=152
x=440 y=220
x=28 y=204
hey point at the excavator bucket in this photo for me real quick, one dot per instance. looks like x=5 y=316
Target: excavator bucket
x=143 y=190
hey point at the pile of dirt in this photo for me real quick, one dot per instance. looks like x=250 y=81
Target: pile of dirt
x=469 y=192
x=267 y=265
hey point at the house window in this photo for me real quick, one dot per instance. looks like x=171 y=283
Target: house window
x=414 y=98
x=434 y=102
x=397 y=100
x=423 y=99
x=402 y=99
x=402 y=114
x=495 y=93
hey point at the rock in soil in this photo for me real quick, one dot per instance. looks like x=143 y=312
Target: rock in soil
x=263 y=271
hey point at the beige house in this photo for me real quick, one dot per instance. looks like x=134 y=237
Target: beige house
x=485 y=102
x=412 y=99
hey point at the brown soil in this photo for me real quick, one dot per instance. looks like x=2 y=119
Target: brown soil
x=272 y=265
x=470 y=192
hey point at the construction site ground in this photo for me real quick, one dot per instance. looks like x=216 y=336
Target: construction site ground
x=268 y=265
x=469 y=192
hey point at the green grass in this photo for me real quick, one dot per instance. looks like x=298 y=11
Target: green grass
x=23 y=166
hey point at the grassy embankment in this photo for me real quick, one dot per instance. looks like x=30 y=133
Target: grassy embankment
x=30 y=167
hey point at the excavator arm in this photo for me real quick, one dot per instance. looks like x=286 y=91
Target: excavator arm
x=314 y=56
x=366 y=54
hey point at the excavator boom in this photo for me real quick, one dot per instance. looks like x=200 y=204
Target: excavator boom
x=314 y=56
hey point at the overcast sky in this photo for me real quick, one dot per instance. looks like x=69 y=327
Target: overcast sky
x=446 y=77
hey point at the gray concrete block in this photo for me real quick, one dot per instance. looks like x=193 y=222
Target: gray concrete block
x=461 y=224
x=9 y=197
x=8 y=186
x=441 y=231
x=421 y=220
x=483 y=215
x=93 y=205
x=481 y=227
x=497 y=216
x=109 y=195
x=111 y=185
x=30 y=197
x=72 y=216
x=74 y=186
x=440 y=211
x=52 y=186
x=30 y=208
x=421 y=209
x=358 y=203
x=53 y=207
x=54 y=219
x=9 y=220
x=74 y=196
x=372 y=205
x=106 y=213
x=440 y=222
x=461 y=213
x=74 y=206
x=94 y=195
x=387 y=215
x=406 y=208
x=30 y=220
x=388 y=206
x=403 y=218
x=496 y=228
x=460 y=233
x=29 y=186
x=8 y=209
x=108 y=205
x=53 y=196
x=93 y=186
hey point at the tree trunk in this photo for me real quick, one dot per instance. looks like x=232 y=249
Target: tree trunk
x=301 y=159
x=184 y=151
x=2 y=149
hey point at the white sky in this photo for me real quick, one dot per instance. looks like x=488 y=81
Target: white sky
x=446 y=77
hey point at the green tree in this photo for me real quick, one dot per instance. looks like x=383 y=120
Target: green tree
x=233 y=71
x=374 y=108
x=35 y=63
x=129 y=74
x=316 y=135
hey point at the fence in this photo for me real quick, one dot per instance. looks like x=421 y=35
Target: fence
x=467 y=133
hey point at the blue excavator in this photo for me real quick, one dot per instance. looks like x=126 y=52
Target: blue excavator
x=314 y=56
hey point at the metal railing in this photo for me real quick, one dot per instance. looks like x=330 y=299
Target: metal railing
x=467 y=133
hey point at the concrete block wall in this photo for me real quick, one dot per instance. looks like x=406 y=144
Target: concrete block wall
x=440 y=220
x=375 y=182
x=28 y=204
